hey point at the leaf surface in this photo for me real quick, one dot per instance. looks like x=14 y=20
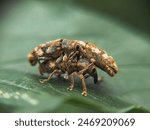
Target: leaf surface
x=29 y=23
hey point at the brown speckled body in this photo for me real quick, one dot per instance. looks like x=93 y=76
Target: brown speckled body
x=72 y=57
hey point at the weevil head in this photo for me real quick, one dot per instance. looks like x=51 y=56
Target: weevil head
x=108 y=64
x=32 y=58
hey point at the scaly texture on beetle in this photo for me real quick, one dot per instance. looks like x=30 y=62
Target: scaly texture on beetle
x=72 y=58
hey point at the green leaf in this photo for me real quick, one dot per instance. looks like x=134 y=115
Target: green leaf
x=26 y=24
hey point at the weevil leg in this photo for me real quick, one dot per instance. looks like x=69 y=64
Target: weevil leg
x=66 y=66
x=82 y=78
x=72 y=76
x=90 y=70
x=42 y=68
x=86 y=76
x=93 y=73
x=73 y=55
x=66 y=75
x=80 y=74
x=84 y=71
x=59 y=59
x=96 y=78
x=49 y=77
x=84 y=91
x=80 y=49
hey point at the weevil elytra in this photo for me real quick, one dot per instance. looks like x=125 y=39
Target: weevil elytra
x=71 y=58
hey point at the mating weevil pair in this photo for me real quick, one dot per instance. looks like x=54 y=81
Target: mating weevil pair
x=72 y=58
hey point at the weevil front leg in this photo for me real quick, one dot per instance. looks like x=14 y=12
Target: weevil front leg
x=86 y=76
x=82 y=75
x=96 y=79
x=93 y=73
x=50 y=76
x=82 y=78
x=84 y=91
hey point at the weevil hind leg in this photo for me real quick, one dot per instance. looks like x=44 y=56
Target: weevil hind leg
x=50 y=76
x=71 y=78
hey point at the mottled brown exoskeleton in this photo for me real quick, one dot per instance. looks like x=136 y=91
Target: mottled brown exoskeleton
x=71 y=52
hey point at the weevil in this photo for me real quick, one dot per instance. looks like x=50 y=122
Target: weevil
x=54 y=49
x=73 y=51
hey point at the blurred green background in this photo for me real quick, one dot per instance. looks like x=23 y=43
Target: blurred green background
x=121 y=27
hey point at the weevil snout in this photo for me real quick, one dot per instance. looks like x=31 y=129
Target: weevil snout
x=110 y=66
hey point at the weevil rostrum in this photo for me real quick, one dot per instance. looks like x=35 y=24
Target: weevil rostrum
x=72 y=58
